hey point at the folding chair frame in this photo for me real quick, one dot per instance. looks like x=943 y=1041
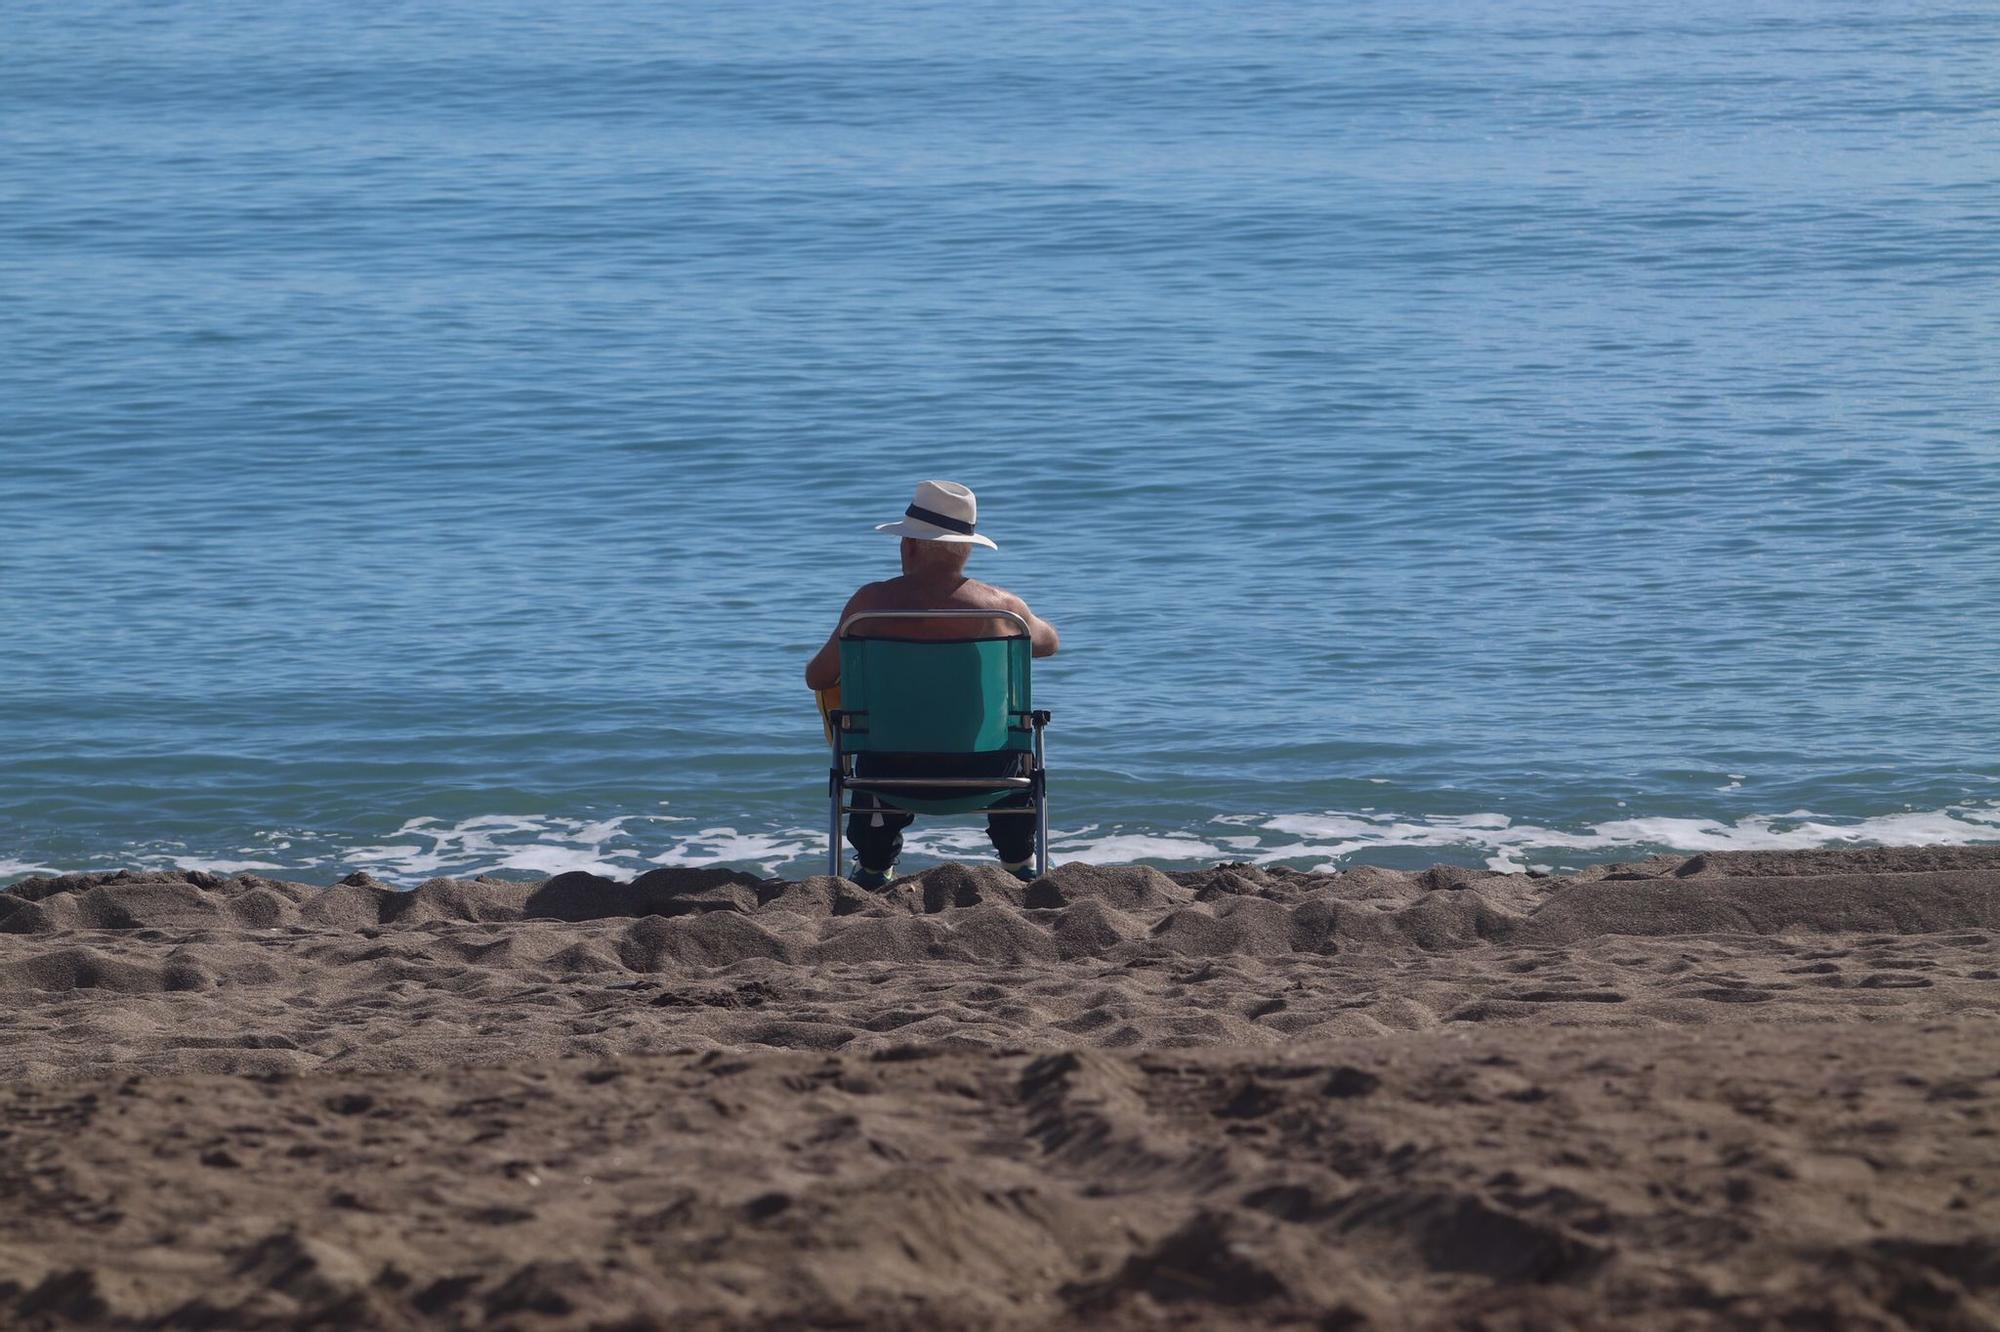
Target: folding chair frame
x=841 y=778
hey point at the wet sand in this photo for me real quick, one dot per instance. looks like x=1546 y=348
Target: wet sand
x=1751 y=1089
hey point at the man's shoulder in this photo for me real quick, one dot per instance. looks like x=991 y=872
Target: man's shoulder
x=998 y=597
x=871 y=596
x=898 y=590
x=899 y=594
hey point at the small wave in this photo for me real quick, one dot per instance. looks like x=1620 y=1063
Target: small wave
x=499 y=843
x=1512 y=846
x=215 y=866
x=626 y=845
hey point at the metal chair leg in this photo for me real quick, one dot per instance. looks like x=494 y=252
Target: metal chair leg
x=1041 y=806
x=1042 y=833
x=833 y=824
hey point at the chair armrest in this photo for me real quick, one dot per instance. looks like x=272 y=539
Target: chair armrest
x=837 y=727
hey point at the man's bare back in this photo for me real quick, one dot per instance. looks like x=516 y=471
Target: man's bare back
x=933 y=578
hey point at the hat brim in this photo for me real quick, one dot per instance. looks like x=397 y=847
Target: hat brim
x=918 y=530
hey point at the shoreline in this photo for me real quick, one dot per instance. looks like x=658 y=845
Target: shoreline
x=524 y=847
x=1727 y=1089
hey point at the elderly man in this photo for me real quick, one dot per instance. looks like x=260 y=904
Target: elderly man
x=938 y=532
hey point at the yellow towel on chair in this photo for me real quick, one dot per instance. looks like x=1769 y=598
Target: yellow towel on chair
x=829 y=699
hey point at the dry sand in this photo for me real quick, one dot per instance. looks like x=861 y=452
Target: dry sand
x=1752 y=1090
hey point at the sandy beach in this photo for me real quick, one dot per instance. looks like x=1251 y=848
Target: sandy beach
x=1742 y=1090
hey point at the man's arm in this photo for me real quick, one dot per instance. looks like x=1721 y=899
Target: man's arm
x=823 y=671
x=1042 y=635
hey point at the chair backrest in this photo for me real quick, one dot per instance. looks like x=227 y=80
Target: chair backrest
x=934 y=696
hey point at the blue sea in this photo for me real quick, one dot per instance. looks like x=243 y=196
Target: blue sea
x=433 y=437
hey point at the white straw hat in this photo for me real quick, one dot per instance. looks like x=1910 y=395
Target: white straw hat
x=942 y=511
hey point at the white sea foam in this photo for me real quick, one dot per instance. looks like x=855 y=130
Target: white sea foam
x=493 y=843
x=1321 y=840
x=552 y=860
x=1506 y=843
x=208 y=866
x=628 y=845
x=727 y=846
x=1128 y=848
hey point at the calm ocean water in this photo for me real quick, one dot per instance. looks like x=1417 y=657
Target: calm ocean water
x=433 y=437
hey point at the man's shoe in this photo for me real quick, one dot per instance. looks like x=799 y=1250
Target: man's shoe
x=1021 y=870
x=872 y=880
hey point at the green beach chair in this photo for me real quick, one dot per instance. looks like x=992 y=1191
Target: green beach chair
x=966 y=696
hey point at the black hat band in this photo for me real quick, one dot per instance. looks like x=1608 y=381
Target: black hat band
x=936 y=519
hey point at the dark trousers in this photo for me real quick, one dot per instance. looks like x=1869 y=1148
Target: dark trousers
x=875 y=829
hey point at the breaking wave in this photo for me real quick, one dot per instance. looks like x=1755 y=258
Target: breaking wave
x=522 y=845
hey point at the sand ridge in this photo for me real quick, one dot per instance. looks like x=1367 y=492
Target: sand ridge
x=1748 y=1090
x=192 y=972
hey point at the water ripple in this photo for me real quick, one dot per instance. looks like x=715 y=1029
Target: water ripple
x=478 y=411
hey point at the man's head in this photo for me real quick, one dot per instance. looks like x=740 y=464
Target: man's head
x=939 y=559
